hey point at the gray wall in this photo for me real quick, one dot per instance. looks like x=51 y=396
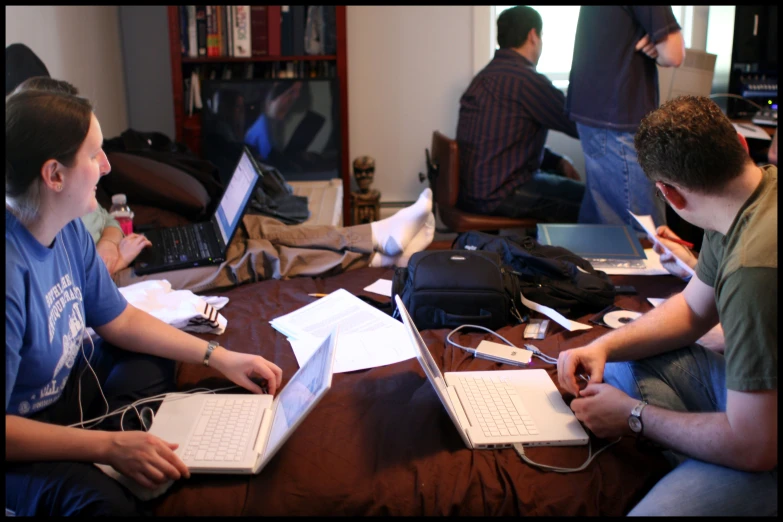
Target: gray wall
x=144 y=34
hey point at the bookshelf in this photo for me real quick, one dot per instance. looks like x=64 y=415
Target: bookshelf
x=188 y=127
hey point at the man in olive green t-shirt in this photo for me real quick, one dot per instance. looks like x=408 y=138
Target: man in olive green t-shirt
x=715 y=411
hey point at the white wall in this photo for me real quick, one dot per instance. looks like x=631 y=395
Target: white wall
x=79 y=44
x=407 y=68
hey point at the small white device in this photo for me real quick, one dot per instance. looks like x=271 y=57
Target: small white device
x=503 y=353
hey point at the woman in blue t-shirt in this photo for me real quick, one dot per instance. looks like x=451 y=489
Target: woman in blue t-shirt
x=56 y=287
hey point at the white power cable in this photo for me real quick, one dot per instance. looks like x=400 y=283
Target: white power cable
x=536 y=352
x=521 y=452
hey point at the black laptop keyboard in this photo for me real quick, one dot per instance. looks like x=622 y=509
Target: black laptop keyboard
x=184 y=244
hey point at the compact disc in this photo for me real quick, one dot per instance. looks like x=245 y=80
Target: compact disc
x=620 y=318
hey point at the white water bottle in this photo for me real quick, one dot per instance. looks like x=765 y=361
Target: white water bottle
x=122 y=213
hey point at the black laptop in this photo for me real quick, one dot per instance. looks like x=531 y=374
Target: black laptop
x=206 y=243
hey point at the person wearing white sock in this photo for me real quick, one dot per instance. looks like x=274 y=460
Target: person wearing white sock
x=390 y=236
x=420 y=241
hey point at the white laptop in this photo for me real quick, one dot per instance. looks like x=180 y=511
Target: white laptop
x=527 y=408
x=236 y=433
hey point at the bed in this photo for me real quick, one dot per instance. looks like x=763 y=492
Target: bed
x=350 y=456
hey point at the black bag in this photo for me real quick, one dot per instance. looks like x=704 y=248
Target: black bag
x=548 y=275
x=448 y=288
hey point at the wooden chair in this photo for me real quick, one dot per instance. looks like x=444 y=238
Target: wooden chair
x=443 y=175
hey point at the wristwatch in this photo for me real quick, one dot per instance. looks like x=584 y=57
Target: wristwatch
x=635 y=418
x=210 y=348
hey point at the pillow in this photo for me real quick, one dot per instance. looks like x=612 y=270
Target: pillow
x=148 y=182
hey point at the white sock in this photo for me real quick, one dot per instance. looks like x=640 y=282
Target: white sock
x=390 y=236
x=420 y=241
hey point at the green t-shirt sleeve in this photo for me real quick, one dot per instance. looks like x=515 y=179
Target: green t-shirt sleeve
x=707 y=267
x=748 y=309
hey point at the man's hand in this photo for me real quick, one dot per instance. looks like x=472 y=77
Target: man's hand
x=604 y=410
x=145 y=458
x=589 y=359
x=663 y=236
x=566 y=168
x=647 y=47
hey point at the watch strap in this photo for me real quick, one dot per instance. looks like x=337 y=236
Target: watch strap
x=210 y=348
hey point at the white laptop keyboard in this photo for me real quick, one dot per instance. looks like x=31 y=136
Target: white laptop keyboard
x=222 y=432
x=498 y=407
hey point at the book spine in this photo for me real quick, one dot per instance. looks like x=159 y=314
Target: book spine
x=201 y=29
x=192 y=34
x=273 y=33
x=242 y=32
x=230 y=30
x=210 y=31
x=259 y=30
x=183 y=30
x=297 y=29
x=286 y=31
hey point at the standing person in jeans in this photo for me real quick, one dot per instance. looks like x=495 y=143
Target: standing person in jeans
x=504 y=117
x=613 y=85
x=714 y=409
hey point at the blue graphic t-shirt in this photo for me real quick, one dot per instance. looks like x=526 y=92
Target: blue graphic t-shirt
x=52 y=295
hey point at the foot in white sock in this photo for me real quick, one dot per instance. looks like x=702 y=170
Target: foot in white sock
x=420 y=241
x=390 y=236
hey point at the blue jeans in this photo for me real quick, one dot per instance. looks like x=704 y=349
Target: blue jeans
x=79 y=488
x=615 y=181
x=693 y=379
x=545 y=197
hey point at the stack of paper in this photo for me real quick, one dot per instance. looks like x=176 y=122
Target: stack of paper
x=368 y=338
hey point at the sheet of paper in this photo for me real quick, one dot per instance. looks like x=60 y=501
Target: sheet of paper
x=647 y=224
x=368 y=337
x=652 y=266
x=753 y=131
x=555 y=316
x=656 y=301
x=381 y=286
x=359 y=351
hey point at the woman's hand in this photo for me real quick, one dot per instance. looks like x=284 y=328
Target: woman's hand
x=664 y=234
x=240 y=367
x=130 y=246
x=144 y=458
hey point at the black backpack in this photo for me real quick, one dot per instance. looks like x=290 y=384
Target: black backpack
x=548 y=275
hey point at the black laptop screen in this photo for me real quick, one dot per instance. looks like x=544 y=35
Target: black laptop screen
x=235 y=198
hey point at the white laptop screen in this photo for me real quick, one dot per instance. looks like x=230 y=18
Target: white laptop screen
x=300 y=395
x=235 y=198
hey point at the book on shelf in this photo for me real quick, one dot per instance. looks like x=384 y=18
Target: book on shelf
x=297 y=30
x=229 y=31
x=273 y=34
x=259 y=30
x=183 y=29
x=210 y=30
x=201 y=29
x=192 y=34
x=286 y=31
x=222 y=39
x=242 y=31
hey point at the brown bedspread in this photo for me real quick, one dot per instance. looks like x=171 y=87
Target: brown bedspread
x=380 y=442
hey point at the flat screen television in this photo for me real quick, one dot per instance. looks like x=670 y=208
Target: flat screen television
x=292 y=125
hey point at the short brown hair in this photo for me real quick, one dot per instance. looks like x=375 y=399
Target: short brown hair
x=690 y=142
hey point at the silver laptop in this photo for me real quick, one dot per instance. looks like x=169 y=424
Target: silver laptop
x=236 y=433
x=496 y=409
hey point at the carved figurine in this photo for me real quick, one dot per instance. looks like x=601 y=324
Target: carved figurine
x=366 y=202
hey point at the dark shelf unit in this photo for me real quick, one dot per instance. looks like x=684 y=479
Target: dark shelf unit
x=188 y=128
